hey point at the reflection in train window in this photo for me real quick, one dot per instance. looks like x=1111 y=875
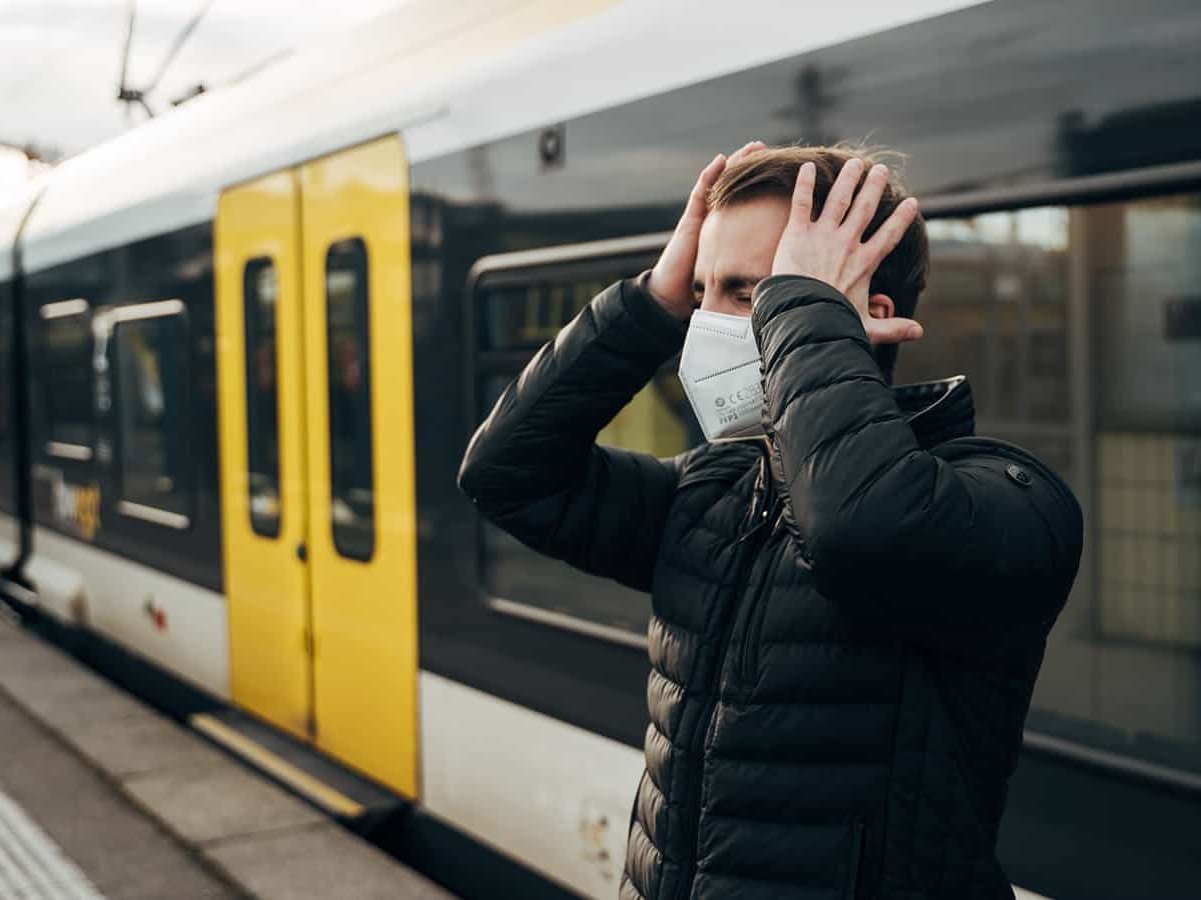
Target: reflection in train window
x=352 y=484
x=1072 y=324
x=153 y=413
x=517 y=312
x=64 y=363
x=526 y=316
x=262 y=397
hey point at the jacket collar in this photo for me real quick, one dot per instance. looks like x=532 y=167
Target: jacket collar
x=938 y=411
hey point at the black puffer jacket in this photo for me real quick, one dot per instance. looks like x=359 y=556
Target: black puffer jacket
x=848 y=617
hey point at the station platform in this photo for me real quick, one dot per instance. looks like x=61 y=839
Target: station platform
x=101 y=796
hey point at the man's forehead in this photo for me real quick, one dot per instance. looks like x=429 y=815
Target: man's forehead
x=739 y=241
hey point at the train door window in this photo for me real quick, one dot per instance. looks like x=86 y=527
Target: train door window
x=64 y=368
x=151 y=348
x=260 y=290
x=516 y=311
x=352 y=481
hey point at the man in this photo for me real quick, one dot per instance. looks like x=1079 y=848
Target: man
x=849 y=611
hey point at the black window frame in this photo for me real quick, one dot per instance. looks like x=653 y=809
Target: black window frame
x=355 y=250
x=51 y=445
x=125 y=506
x=632 y=255
x=254 y=429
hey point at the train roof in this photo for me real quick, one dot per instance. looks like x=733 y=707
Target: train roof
x=446 y=73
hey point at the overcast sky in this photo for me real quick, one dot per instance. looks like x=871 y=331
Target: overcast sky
x=60 y=60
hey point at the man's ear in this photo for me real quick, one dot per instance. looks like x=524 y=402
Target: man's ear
x=880 y=306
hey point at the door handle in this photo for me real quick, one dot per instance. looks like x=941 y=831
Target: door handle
x=302 y=552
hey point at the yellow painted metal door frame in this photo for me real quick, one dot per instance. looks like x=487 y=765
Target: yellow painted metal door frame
x=323 y=615
x=264 y=506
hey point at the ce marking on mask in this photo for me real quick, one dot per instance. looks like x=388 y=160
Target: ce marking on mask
x=732 y=407
x=746 y=395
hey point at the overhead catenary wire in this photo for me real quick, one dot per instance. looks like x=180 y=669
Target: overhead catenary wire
x=180 y=40
x=133 y=11
x=127 y=94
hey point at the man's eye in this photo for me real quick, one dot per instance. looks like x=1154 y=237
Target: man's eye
x=743 y=298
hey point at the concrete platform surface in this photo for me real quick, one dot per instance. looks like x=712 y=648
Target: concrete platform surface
x=130 y=805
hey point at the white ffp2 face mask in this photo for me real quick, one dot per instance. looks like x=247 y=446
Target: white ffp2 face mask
x=719 y=369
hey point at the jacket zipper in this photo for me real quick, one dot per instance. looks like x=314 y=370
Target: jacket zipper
x=758 y=520
x=748 y=657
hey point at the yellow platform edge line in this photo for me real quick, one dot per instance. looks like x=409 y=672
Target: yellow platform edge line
x=320 y=793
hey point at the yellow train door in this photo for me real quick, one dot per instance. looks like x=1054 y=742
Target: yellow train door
x=355 y=506
x=362 y=496
x=264 y=485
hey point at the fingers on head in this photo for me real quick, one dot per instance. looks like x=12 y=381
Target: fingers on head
x=886 y=238
x=710 y=172
x=867 y=201
x=838 y=201
x=698 y=198
x=747 y=148
x=802 y=196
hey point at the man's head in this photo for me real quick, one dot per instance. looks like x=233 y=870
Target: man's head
x=748 y=209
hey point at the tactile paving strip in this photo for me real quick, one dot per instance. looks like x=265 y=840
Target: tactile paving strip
x=32 y=866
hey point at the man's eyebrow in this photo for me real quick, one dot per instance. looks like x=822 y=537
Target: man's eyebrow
x=732 y=284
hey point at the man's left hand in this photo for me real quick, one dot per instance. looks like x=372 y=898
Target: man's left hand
x=831 y=248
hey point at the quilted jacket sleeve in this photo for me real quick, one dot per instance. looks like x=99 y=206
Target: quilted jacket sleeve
x=977 y=534
x=533 y=467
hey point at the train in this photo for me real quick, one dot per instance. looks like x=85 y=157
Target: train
x=243 y=347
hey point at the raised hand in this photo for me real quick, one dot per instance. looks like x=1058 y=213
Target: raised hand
x=671 y=278
x=832 y=248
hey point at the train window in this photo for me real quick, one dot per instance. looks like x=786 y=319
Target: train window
x=517 y=311
x=64 y=382
x=8 y=388
x=352 y=482
x=260 y=289
x=6 y=373
x=1073 y=325
x=150 y=344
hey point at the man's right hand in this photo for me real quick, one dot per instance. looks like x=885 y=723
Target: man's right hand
x=672 y=277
